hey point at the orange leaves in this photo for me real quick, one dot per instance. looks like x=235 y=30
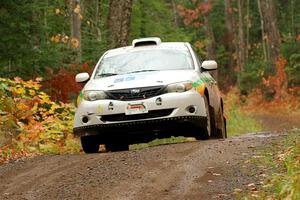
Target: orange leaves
x=64 y=39
x=77 y=9
x=279 y=82
x=74 y=43
x=57 y=11
x=205 y=7
x=197 y=24
x=199 y=45
x=189 y=15
x=298 y=37
x=192 y=16
x=62 y=83
x=285 y=101
x=7 y=154
x=56 y=38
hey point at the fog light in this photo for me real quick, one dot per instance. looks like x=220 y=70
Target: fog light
x=191 y=109
x=85 y=119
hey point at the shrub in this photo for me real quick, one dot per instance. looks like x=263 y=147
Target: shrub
x=61 y=85
x=36 y=121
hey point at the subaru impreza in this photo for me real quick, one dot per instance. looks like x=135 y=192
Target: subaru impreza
x=137 y=91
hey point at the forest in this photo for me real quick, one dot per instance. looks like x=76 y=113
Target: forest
x=247 y=38
x=45 y=43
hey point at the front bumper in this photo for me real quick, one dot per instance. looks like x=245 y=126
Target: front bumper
x=174 y=123
x=91 y=117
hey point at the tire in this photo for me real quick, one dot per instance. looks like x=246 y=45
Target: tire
x=221 y=130
x=116 y=147
x=206 y=131
x=213 y=124
x=89 y=144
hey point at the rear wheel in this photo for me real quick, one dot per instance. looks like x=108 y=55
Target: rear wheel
x=90 y=144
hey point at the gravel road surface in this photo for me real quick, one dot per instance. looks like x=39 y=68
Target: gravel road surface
x=209 y=169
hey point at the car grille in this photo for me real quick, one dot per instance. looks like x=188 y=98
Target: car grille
x=135 y=93
x=150 y=114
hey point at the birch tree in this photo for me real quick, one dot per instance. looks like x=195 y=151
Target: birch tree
x=270 y=32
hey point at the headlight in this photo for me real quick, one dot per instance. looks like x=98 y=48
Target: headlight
x=179 y=87
x=93 y=95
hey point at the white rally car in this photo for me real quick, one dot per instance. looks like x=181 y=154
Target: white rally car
x=137 y=92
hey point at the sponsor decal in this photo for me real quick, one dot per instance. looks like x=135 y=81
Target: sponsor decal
x=201 y=84
x=100 y=109
x=130 y=78
x=79 y=98
x=118 y=80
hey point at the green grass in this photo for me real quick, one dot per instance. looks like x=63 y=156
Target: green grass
x=239 y=123
x=157 y=142
x=283 y=161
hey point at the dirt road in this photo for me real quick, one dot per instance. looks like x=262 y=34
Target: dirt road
x=196 y=170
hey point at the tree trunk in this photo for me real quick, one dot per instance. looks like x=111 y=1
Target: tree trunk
x=262 y=26
x=241 y=34
x=76 y=29
x=97 y=19
x=293 y=18
x=143 y=19
x=270 y=30
x=174 y=13
x=247 y=31
x=119 y=21
x=230 y=43
x=211 y=45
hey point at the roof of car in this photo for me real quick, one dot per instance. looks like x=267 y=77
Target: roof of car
x=162 y=45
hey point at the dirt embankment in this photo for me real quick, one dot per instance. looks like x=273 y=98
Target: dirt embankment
x=196 y=170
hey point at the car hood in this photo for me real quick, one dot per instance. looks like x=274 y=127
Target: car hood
x=141 y=79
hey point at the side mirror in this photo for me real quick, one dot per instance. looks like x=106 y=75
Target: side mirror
x=209 y=65
x=82 y=77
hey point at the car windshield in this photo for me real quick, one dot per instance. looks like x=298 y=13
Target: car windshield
x=144 y=60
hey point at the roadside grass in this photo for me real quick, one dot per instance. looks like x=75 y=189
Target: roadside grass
x=164 y=141
x=239 y=122
x=71 y=145
x=282 y=161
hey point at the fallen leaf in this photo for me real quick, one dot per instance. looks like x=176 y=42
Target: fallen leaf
x=251 y=185
x=237 y=190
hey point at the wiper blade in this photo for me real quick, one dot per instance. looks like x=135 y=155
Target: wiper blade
x=107 y=74
x=145 y=70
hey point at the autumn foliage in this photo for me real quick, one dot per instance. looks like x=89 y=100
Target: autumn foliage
x=31 y=120
x=191 y=16
x=61 y=85
x=278 y=84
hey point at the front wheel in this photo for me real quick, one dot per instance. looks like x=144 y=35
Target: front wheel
x=89 y=144
x=205 y=131
x=221 y=130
